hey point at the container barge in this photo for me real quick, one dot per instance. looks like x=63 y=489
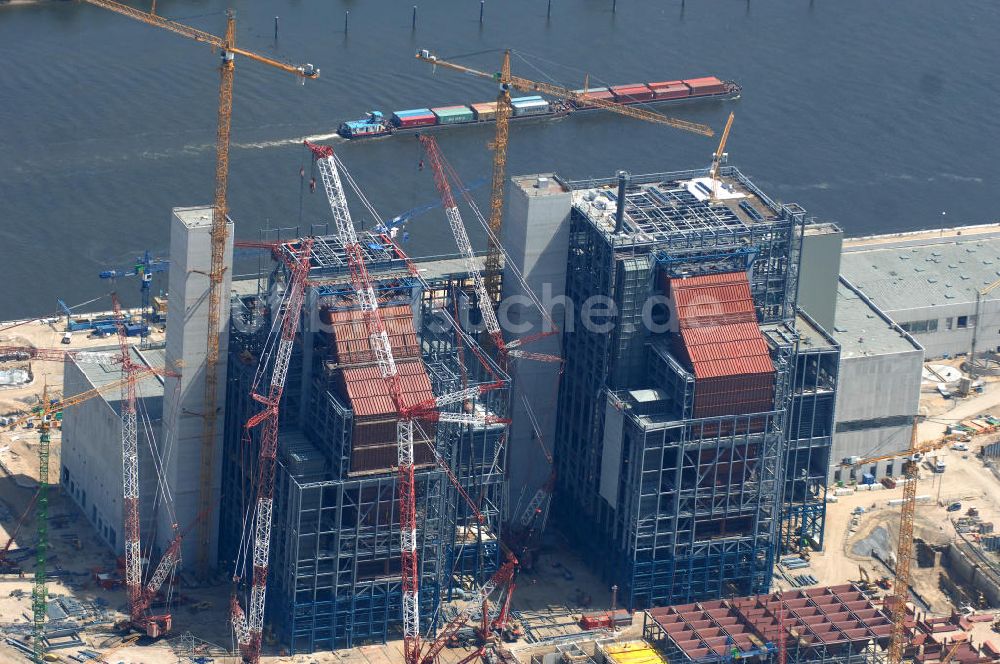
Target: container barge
x=375 y=123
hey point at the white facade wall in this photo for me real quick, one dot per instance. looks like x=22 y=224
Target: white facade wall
x=954 y=340
x=91 y=461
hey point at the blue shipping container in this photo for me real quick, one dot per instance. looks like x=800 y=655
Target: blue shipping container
x=516 y=100
x=413 y=111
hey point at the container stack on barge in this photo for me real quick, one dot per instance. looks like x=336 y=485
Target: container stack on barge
x=376 y=124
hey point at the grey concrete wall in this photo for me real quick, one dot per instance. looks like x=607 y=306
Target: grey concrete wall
x=91 y=463
x=187 y=348
x=879 y=386
x=819 y=272
x=972 y=573
x=535 y=235
x=870 y=389
x=955 y=341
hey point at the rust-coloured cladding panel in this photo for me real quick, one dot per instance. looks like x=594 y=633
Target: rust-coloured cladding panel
x=714 y=304
x=734 y=395
x=350 y=334
x=368 y=391
x=381 y=458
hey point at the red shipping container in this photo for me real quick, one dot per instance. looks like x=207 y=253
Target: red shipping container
x=708 y=85
x=601 y=94
x=418 y=120
x=670 y=90
x=632 y=93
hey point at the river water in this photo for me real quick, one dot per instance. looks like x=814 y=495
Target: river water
x=879 y=115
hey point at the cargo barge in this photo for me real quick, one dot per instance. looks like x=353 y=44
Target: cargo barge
x=375 y=123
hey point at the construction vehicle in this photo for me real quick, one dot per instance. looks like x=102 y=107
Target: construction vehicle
x=45 y=415
x=228 y=50
x=503 y=113
x=139 y=597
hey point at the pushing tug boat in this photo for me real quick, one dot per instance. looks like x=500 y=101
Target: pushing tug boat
x=375 y=123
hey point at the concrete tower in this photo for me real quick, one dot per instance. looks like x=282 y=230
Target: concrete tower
x=187 y=348
x=535 y=234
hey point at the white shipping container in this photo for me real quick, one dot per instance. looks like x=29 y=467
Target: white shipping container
x=877 y=487
x=843 y=491
x=864 y=487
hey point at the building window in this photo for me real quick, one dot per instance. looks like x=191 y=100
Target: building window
x=963 y=322
x=948 y=322
x=889 y=469
x=918 y=326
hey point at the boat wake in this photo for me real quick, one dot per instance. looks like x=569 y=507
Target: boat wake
x=263 y=145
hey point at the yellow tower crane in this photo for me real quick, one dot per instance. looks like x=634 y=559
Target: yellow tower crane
x=503 y=112
x=228 y=49
x=719 y=156
x=904 y=551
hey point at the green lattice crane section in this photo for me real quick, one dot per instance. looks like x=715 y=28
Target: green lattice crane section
x=38 y=592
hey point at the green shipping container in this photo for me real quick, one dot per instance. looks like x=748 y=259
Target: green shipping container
x=453 y=114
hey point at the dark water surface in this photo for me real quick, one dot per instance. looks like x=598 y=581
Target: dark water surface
x=880 y=115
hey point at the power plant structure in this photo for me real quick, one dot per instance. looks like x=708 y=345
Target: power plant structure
x=336 y=579
x=694 y=423
x=690 y=422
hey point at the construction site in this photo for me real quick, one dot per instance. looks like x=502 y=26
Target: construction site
x=715 y=446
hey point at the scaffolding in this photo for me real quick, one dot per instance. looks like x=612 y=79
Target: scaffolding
x=336 y=563
x=678 y=506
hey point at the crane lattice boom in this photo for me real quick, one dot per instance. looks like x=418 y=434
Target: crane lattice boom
x=227 y=47
x=363 y=288
x=249 y=628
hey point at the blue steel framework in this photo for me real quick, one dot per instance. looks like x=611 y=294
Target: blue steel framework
x=656 y=519
x=807 y=456
x=335 y=579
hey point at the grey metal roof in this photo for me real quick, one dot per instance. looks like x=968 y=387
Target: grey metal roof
x=904 y=276
x=150 y=389
x=864 y=331
x=811 y=336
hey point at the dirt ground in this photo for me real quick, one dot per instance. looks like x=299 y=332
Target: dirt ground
x=966 y=480
x=19 y=448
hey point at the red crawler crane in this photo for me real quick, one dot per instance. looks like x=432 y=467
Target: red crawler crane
x=249 y=629
x=139 y=597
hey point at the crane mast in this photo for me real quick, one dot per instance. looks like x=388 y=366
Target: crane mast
x=249 y=627
x=904 y=551
x=228 y=49
x=130 y=470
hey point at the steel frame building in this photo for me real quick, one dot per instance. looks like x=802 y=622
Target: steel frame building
x=810 y=439
x=335 y=560
x=681 y=500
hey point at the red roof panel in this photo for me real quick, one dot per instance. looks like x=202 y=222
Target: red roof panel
x=350 y=334
x=369 y=394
